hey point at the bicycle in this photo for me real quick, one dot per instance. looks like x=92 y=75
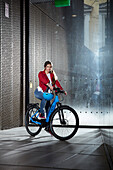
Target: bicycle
x=62 y=120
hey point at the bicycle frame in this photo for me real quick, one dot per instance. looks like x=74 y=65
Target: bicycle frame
x=52 y=108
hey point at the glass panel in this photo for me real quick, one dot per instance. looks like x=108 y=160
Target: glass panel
x=77 y=40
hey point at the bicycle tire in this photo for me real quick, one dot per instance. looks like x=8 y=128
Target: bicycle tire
x=55 y=119
x=32 y=128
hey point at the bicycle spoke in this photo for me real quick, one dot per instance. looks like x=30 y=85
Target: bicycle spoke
x=64 y=123
x=31 y=127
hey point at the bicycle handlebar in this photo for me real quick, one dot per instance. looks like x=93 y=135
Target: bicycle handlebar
x=58 y=90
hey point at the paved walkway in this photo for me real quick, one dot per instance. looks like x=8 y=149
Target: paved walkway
x=19 y=151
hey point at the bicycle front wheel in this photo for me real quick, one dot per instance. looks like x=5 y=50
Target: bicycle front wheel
x=64 y=123
x=32 y=128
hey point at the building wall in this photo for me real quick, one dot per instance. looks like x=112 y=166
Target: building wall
x=10 y=65
x=56 y=36
x=0 y=71
x=52 y=37
x=62 y=41
x=47 y=42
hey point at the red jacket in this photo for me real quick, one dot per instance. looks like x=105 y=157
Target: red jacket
x=43 y=80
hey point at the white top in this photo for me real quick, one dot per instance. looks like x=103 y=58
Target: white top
x=50 y=82
x=39 y=89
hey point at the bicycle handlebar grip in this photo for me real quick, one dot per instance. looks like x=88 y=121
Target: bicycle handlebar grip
x=58 y=90
x=54 y=88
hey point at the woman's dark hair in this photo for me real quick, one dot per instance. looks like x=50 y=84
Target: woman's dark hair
x=46 y=63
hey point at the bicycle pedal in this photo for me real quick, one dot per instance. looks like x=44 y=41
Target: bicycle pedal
x=43 y=122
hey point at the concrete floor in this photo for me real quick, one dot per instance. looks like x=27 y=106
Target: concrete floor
x=19 y=151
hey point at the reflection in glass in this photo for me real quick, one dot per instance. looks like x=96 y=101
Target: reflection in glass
x=77 y=40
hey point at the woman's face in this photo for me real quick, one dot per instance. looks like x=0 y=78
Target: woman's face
x=48 y=68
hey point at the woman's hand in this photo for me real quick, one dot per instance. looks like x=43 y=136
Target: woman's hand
x=51 y=87
x=65 y=92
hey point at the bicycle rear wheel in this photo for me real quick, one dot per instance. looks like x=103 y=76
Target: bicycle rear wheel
x=32 y=128
x=64 y=123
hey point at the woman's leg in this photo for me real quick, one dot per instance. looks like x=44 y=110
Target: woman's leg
x=47 y=107
x=39 y=95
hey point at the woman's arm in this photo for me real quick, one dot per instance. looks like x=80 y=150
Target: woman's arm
x=44 y=80
x=58 y=84
x=51 y=87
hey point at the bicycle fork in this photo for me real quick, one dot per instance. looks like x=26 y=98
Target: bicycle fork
x=61 y=114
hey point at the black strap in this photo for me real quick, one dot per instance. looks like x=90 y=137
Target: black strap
x=47 y=89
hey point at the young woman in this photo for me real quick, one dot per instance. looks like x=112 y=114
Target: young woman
x=47 y=78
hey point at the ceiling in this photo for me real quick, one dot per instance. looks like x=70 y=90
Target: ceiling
x=40 y=1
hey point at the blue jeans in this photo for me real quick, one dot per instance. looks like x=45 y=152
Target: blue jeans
x=44 y=104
